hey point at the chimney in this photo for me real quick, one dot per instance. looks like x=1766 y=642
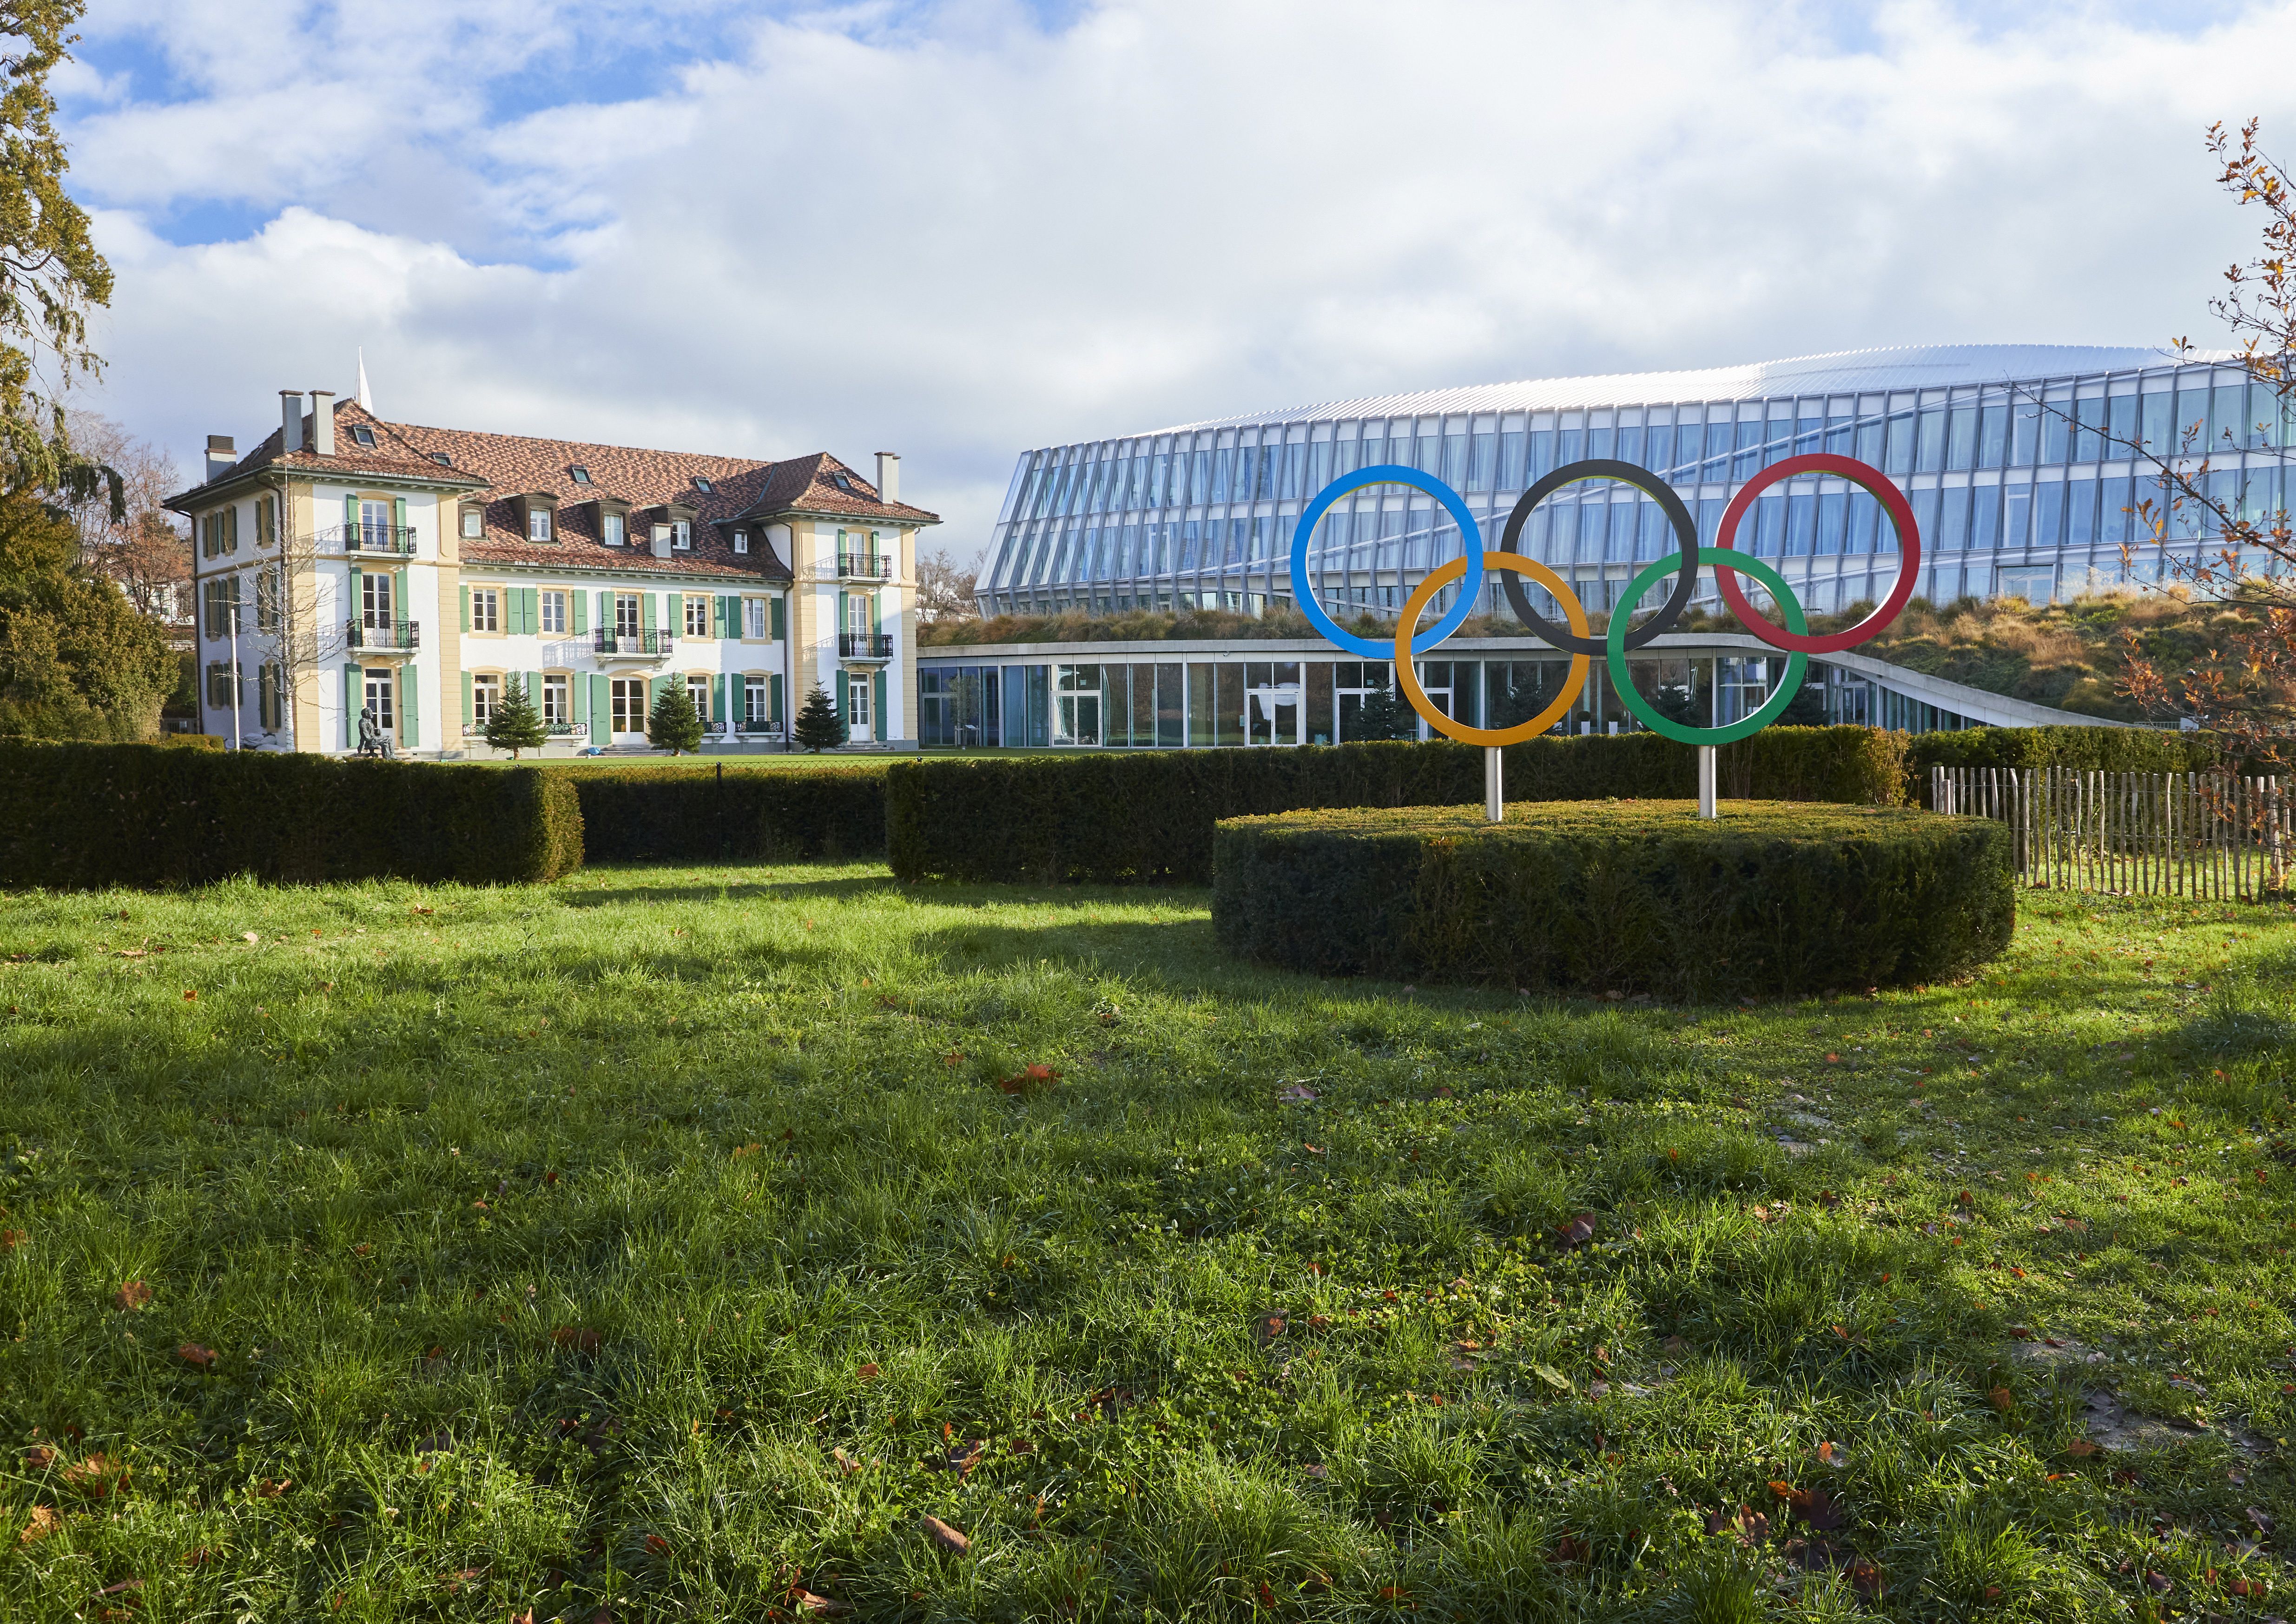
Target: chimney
x=323 y=422
x=889 y=476
x=220 y=456
x=291 y=420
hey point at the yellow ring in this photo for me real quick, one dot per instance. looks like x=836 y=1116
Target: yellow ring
x=1406 y=673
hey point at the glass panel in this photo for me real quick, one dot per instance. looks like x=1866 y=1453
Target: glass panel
x=1316 y=716
x=2080 y=514
x=1144 y=706
x=1993 y=437
x=2056 y=431
x=1228 y=712
x=1900 y=456
x=1199 y=704
x=1172 y=705
x=2048 y=514
x=1961 y=440
x=2016 y=514
x=2088 y=436
x=2025 y=432
x=2114 y=524
x=1932 y=441
x=1985 y=518
x=1953 y=520
x=1833 y=516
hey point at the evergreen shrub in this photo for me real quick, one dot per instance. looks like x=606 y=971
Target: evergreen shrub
x=2109 y=750
x=1772 y=898
x=83 y=817
x=1119 y=817
x=695 y=815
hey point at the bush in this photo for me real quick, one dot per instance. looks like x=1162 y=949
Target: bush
x=694 y=815
x=2109 y=750
x=1771 y=897
x=1148 y=816
x=81 y=817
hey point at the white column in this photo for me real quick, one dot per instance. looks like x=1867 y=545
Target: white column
x=1494 y=791
x=1706 y=781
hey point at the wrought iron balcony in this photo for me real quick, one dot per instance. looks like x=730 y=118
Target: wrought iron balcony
x=863 y=566
x=396 y=541
x=382 y=634
x=644 y=645
x=864 y=646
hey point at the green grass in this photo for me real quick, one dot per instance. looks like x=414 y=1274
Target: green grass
x=660 y=1242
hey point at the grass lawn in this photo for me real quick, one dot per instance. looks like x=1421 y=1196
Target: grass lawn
x=671 y=1243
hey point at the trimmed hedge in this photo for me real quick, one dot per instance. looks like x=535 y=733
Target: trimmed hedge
x=693 y=814
x=1148 y=816
x=2111 y=750
x=82 y=816
x=1771 y=897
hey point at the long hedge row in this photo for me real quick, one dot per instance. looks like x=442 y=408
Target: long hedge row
x=699 y=814
x=1769 y=898
x=83 y=817
x=1148 y=816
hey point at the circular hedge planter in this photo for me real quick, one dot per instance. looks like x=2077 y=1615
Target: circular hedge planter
x=1772 y=897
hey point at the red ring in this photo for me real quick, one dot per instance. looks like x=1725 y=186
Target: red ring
x=1866 y=477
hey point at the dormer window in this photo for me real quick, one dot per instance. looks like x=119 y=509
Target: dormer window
x=364 y=435
x=474 y=522
x=538 y=515
x=841 y=482
x=581 y=475
x=704 y=486
x=537 y=524
x=609 y=527
x=442 y=459
x=681 y=534
x=741 y=541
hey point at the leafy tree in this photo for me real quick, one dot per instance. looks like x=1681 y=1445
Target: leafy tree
x=818 y=726
x=2243 y=684
x=1384 y=714
x=673 y=725
x=945 y=590
x=515 y=724
x=76 y=662
x=49 y=274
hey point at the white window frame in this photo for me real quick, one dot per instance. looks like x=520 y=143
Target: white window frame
x=611 y=530
x=557 y=699
x=697 y=689
x=756 y=699
x=681 y=534
x=741 y=541
x=486 y=609
x=554 y=614
x=697 y=616
x=859 y=695
x=537 y=524
x=474 y=523
x=485 y=695
x=757 y=619
x=622 y=711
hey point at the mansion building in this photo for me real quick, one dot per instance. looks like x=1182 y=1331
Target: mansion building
x=349 y=565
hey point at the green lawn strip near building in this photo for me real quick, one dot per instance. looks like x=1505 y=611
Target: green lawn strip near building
x=674 y=1239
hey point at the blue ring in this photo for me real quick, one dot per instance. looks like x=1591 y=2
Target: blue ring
x=1387 y=474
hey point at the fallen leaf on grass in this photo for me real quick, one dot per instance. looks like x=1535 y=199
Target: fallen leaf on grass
x=43 y=1521
x=2000 y=1399
x=2081 y=1449
x=1267 y=1327
x=1747 y=1525
x=867 y=1373
x=942 y=1535
x=656 y=1546
x=1575 y=1233
x=271 y=1489
x=846 y=1464
x=2159 y=1584
x=579 y=1340
x=2246 y=1587
x=819 y=1606
x=1321 y=1473
x=1865 y=1579
x=135 y=1294
x=2263 y=1520
x=1570 y=1548
x=122 y=1587
x=192 y=1353
x=39 y=1458
x=1029 y=1079
x=1551 y=1376
x=1299 y=1092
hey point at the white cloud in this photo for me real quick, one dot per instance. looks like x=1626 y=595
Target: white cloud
x=954 y=233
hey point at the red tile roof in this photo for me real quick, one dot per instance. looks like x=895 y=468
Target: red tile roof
x=496 y=468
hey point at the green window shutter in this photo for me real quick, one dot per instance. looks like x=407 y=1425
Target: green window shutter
x=844 y=693
x=606 y=612
x=466 y=608
x=645 y=611
x=778 y=624
x=468 y=714
x=717 y=697
x=352 y=613
x=878 y=724
x=774 y=698
x=231 y=529
x=350 y=707
x=398 y=516
x=577 y=604
x=876 y=613
x=399 y=603
x=533 y=690
x=350 y=517
x=529 y=610
x=602 y=710
x=410 y=718
x=578 y=691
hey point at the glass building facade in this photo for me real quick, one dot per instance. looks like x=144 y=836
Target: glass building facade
x=2016 y=458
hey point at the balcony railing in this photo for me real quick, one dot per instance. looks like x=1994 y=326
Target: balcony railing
x=864 y=646
x=656 y=643
x=861 y=566
x=399 y=542
x=382 y=634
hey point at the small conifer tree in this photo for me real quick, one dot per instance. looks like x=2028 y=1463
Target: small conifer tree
x=514 y=724
x=1384 y=715
x=673 y=725
x=819 y=727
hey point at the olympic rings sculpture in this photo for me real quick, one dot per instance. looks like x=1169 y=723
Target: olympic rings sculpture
x=1576 y=638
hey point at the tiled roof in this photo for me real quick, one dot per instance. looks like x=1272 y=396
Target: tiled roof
x=496 y=468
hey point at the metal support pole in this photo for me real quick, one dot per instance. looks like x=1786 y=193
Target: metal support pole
x=235 y=742
x=1494 y=792
x=1706 y=781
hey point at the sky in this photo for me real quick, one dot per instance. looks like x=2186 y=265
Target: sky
x=957 y=229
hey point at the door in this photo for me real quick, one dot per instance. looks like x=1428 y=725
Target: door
x=379 y=699
x=626 y=617
x=374 y=601
x=629 y=706
x=374 y=529
x=1272 y=701
x=858 y=715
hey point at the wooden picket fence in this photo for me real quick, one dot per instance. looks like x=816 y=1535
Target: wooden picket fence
x=2212 y=835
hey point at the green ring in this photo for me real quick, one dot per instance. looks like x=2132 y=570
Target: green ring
x=1797 y=664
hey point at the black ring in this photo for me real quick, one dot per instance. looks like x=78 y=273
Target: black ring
x=1686 y=532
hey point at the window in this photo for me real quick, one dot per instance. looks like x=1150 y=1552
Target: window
x=581 y=475
x=364 y=435
x=221 y=594
x=610 y=529
x=681 y=534
x=704 y=486
x=378 y=694
x=375 y=533
x=741 y=541
x=486 y=609
x=856 y=705
x=697 y=689
x=537 y=524
x=266 y=600
x=442 y=459
x=554 y=614
x=753 y=619
x=486 y=693
x=474 y=523
x=626 y=614
x=857 y=613
x=629 y=704
x=697 y=617
x=757 y=702
x=219 y=687
x=841 y=482
x=266 y=520
x=270 y=697
x=557 y=702
x=374 y=601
